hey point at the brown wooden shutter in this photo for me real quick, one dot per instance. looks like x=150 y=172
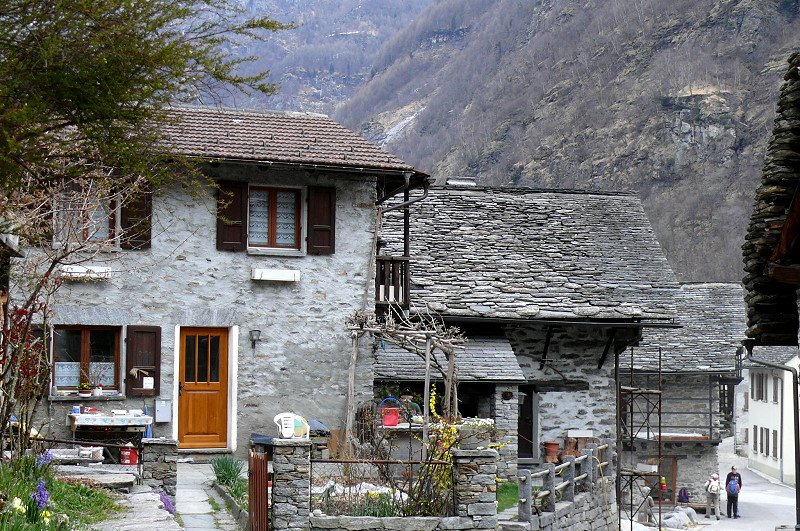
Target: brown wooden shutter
x=143 y=355
x=136 y=215
x=321 y=220
x=231 y=213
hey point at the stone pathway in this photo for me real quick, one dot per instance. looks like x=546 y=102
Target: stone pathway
x=142 y=509
x=200 y=508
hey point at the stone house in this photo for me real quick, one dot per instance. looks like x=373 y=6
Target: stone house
x=697 y=368
x=231 y=306
x=564 y=280
x=771 y=254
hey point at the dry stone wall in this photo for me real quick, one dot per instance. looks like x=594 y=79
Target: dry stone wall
x=160 y=465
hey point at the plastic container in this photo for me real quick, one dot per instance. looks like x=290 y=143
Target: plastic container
x=129 y=456
x=391 y=414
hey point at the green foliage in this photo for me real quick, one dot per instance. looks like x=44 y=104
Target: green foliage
x=238 y=491
x=507 y=496
x=227 y=469
x=69 y=505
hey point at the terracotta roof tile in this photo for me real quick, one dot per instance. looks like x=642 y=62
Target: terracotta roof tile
x=278 y=137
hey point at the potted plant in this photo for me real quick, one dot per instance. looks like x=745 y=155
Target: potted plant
x=84 y=389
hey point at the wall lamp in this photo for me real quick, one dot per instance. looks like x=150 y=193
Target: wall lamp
x=255 y=337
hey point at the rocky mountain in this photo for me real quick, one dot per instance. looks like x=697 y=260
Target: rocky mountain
x=672 y=99
x=329 y=54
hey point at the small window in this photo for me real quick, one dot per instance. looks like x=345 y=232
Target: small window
x=752 y=386
x=775 y=444
x=766 y=441
x=746 y=435
x=273 y=219
x=755 y=439
x=86 y=355
x=86 y=216
x=776 y=389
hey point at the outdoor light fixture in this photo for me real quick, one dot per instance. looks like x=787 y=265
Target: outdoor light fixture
x=255 y=337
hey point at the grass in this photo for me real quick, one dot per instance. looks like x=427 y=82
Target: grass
x=70 y=505
x=507 y=496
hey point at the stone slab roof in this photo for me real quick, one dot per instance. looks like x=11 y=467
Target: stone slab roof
x=777 y=355
x=772 y=317
x=482 y=359
x=713 y=320
x=277 y=137
x=534 y=254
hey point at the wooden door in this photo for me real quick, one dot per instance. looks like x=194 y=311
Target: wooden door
x=528 y=427
x=203 y=388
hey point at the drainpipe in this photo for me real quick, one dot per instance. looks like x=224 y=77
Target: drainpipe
x=749 y=343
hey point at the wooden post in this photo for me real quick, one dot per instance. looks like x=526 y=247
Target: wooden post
x=586 y=467
x=448 y=392
x=351 y=396
x=427 y=405
x=525 y=504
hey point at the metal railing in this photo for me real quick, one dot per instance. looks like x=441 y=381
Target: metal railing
x=578 y=474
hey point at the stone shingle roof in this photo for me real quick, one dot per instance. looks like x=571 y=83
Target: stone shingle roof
x=534 y=254
x=776 y=355
x=482 y=359
x=278 y=137
x=713 y=320
x=772 y=317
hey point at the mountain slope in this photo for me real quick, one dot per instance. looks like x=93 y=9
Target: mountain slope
x=672 y=99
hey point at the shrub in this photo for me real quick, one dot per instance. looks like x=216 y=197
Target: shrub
x=227 y=469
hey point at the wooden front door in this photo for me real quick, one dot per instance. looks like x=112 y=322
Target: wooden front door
x=203 y=388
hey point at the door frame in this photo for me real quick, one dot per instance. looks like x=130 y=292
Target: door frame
x=233 y=382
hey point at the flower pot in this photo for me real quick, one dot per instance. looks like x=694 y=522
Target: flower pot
x=391 y=415
x=97 y=391
x=85 y=393
x=551 y=451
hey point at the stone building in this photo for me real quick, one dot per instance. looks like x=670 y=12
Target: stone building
x=566 y=280
x=697 y=368
x=231 y=305
x=771 y=254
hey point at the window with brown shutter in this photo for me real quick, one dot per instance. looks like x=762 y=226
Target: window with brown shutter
x=142 y=360
x=321 y=220
x=135 y=222
x=231 y=213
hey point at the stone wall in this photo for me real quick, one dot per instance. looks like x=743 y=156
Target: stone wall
x=160 y=465
x=590 y=510
x=475 y=494
x=301 y=361
x=505 y=413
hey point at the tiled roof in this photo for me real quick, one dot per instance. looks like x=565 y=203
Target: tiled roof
x=772 y=316
x=776 y=355
x=534 y=254
x=482 y=359
x=713 y=317
x=278 y=137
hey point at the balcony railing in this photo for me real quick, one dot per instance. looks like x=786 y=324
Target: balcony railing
x=391 y=282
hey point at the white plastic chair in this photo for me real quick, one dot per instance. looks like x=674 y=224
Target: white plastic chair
x=290 y=424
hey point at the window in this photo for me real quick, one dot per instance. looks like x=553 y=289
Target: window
x=746 y=435
x=766 y=441
x=775 y=444
x=776 y=386
x=746 y=405
x=755 y=439
x=273 y=217
x=86 y=355
x=752 y=385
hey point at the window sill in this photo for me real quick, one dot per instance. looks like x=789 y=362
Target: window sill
x=262 y=251
x=76 y=398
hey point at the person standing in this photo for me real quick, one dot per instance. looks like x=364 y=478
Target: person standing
x=713 y=490
x=733 y=485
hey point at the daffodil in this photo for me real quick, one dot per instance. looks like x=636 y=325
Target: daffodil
x=16 y=505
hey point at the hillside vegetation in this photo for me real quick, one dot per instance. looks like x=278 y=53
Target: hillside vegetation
x=673 y=99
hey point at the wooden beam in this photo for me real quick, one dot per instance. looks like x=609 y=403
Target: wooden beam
x=785 y=274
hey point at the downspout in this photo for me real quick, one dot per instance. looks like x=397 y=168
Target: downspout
x=749 y=343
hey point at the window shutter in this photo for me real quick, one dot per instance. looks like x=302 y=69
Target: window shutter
x=231 y=212
x=143 y=355
x=136 y=215
x=321 y=220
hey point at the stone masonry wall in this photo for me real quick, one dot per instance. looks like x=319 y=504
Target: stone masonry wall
x=573 y=355
x=506 y=419
x=301 y=362
x=291 y=484
x=590 y=510
x=160 y=465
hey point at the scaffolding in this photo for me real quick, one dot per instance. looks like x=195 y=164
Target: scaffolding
x=638 y=418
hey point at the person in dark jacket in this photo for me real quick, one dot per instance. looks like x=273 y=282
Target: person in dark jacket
x=733 y=498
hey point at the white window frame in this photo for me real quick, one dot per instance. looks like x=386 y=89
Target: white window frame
x=303 y=213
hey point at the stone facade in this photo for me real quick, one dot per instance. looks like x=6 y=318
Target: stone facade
x=505 y=412
x=160 y=465
x=184 y=281
x=291 y=484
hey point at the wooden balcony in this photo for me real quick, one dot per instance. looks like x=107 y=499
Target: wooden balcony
x=391 y=282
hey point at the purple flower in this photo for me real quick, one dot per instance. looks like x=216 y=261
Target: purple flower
x=44 y=459
x=168 y=505
x=41 y=496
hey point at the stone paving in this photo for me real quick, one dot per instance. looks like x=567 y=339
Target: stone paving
x=142 y=509
x=196 y=511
